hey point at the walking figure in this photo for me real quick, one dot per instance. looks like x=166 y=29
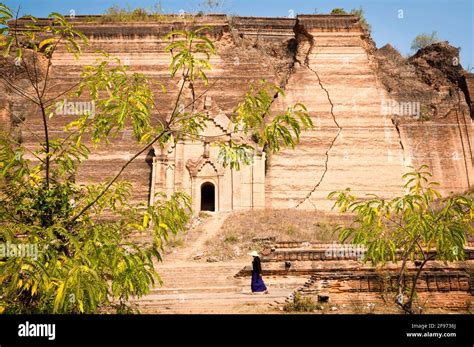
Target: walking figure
x=257 y=284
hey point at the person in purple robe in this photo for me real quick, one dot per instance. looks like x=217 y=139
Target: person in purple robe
x=257 y=285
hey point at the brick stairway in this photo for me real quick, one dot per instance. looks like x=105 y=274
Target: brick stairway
x=212 y=288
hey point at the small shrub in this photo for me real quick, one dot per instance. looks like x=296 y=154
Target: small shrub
x=118 y=14
x=231 y=239
x=356 y=303
x=204 y=215
x=355 y=11
x=291 y=230
x=424 y=40
x=300 y=304
x=362 y=20
x=231 y=21
x=425 y=113
x=338 y=10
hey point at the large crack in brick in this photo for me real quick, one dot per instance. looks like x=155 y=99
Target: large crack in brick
x=397 y=127
x=300 y=31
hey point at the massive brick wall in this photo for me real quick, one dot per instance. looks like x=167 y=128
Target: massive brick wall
x=322 y=61
x=354 y=144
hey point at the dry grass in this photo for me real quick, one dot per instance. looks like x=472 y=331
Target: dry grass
x=240 y=228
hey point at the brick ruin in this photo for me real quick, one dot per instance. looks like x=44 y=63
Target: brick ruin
x=331 y=271
x=327 y=62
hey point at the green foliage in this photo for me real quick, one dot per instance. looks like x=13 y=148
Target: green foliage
x=300 y=304
x=58 y=31
x=362 y=20
x=423 y=40
x=338 y=10
x=256 y=105
x=357 y=12
x=119 y=97
x=186 y=48
x=415 y=224
x=232 y=154
x=5 y=15
x=190 y=53
x=12 y=164
x=271 y=132
x=285 y=129
x=84 y=261
x=82 y=266
x=118 y=14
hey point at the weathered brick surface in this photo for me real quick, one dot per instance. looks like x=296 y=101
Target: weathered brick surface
x=311 y=56
x=302 y=251
x=352 y=283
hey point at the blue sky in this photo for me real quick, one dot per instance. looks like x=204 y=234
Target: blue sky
x=452 y=19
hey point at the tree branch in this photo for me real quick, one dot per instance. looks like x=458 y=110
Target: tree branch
x=90 y=204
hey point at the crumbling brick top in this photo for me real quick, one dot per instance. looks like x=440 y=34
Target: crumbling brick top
x=313 y=21
x=341 y=21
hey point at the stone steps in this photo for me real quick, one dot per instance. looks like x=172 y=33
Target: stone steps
x=162 y=292
x=211 y=288
x=212 y=302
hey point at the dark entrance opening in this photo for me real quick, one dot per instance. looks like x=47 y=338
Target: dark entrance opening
x=208 y=197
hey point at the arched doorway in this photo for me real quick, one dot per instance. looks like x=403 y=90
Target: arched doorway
x=208 y=197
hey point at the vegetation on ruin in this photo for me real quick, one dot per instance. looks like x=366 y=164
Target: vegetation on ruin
x=240 y=231
x=338 y=10
x=300 y=304
x=424 y=40
x=417 y=227
x=357 y=12
x=85 y=261
x=119 y=14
